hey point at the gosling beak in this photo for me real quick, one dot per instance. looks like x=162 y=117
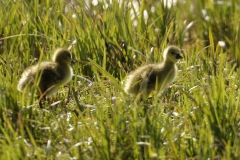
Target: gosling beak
x=73 y=61
x=178 y=56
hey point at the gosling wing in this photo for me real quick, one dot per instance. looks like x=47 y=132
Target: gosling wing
x=49 y=78
x=135 y=79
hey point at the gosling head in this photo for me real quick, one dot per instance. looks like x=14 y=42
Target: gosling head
x=172 y=54
x=62 y=56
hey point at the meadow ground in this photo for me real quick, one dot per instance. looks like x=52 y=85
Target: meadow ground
x=197 y=117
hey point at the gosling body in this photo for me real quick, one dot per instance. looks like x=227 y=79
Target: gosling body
x=49 y=75
x=154 y=77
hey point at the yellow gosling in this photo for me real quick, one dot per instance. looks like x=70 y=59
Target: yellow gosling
x=48 y=75
x=154 y=77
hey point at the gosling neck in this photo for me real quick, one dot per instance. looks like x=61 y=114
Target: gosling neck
x=168 y=62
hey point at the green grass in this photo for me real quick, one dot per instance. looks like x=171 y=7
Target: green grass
x=198 y=117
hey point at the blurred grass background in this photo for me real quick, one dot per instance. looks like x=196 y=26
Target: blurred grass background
x=198 y=117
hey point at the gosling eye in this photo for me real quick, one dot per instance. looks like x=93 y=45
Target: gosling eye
x=68 y=56
x=172 y=52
